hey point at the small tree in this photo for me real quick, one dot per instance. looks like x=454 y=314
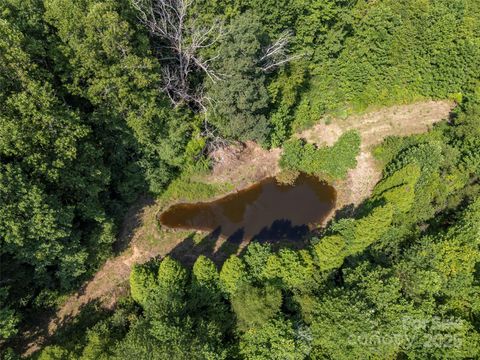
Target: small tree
x=142 y=281
x=255 y=306
x=233 y=275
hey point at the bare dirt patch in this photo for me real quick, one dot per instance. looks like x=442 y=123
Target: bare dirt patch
x=375 y=126
x=242 y=165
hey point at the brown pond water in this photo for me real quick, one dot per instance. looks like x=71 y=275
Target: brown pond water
x=264 y=211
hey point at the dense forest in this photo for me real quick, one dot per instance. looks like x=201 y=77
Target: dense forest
x=102 y=101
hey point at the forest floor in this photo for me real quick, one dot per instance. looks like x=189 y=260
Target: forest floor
x=142 y=238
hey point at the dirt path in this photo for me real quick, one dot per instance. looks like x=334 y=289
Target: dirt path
x=107 y=284
x=374 y=127
x=142 y=239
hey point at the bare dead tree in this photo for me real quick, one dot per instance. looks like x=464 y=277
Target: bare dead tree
x=277 y=53
x=214 y=142
x=178 y=41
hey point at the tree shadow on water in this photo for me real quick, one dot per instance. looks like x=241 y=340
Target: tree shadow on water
x=282 y=233
x=215 y=246
x=187 y=251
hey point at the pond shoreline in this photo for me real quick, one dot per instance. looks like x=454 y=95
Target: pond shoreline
x=266 y=204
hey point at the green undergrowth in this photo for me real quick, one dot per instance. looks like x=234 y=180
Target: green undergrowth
x=187 y=189
x=330 y=163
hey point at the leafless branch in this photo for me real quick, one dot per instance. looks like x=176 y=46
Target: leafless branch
x=179 y=39
x=214 y=143
x=277 y=53
x=273 y=65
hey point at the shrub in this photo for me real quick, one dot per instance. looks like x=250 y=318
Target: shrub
x=331 y=163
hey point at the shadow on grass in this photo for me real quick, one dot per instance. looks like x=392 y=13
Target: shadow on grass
x=69 y=331
x=132 y=220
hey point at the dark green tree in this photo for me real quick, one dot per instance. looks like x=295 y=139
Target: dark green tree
x=240 y=101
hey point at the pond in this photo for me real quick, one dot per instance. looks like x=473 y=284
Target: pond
x=265 y=211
